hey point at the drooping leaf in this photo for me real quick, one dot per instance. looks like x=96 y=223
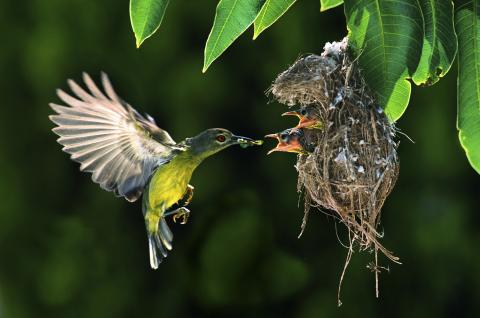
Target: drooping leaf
x=232 y=18
x=439 y=43
x=146 y=17
x=385 y=36
x=329 y=4
x=467 y=24
x=397 y=40
x=271 y=11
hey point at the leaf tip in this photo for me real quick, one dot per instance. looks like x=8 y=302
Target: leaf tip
x=206 y=64
x=324 y=8
x=138 y=42
x=257 y=29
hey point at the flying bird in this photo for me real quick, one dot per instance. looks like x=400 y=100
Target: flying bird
x=127 y=153
x=308 y=117
x=290 y=140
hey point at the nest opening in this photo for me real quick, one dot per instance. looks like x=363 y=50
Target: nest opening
x=354 y=163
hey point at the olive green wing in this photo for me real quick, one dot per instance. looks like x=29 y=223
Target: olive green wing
x=110 y=139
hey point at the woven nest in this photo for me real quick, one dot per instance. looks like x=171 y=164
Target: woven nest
x=354 y=163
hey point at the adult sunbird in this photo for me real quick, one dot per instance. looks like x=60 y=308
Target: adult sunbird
x=127 y=153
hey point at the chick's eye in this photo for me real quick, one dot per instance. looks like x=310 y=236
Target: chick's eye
x=303 y=112
x=221 y=138
x=284 y=137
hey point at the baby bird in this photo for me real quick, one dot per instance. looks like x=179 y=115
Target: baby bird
x=290 y=140
x=308 y=116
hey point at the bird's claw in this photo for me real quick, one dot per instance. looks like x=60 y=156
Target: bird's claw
x=189 y=195
x=183 y=213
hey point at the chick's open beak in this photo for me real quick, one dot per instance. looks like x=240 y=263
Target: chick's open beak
x=275 y=136
x=304 y=122
x=292 y=145
x=292 y=113
x=245 y=141
x=309 y=123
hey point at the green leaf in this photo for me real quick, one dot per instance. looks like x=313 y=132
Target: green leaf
x=232 y=18
x=467 y=24
x=439 y=44
x=385 y=36
x=398 y=40
x=329 y=4
x=146 y=17
x=271 y=11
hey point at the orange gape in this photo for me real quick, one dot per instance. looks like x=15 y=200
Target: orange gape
x=289 y=140
x=308 y=117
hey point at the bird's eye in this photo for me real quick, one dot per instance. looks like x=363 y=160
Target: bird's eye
x=303 y=112
x=221 y=138
x=284 y=137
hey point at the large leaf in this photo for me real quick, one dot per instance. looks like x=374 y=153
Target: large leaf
x=328 y=4
x=439 y=43
x=146 y=17
x=397 y=40
x=385 y=36
x=271 y=11
x=232 y=18
x=467 y=23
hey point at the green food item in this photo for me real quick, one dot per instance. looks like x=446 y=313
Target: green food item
x=252 y=143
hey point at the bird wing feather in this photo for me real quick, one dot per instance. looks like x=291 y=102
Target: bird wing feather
x=110 y=139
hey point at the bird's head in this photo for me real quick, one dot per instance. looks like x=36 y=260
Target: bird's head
x=213 y=140
x=308 y=115
x=289 y=140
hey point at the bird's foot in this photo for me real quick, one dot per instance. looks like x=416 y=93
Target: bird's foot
x=182 y=213
x=188 y=194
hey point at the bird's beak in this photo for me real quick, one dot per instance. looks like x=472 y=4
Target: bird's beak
x=304 y=121
x=275 y=136
x=292 y=113
x=309 y=123
x=245 y=141
x=292 y=146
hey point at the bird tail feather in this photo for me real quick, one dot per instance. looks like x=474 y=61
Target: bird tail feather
x=159 y=242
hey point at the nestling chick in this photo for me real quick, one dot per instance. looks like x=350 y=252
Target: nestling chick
x=290 y=140
x=308 y=116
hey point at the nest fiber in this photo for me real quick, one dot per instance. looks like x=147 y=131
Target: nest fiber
x=354 y=164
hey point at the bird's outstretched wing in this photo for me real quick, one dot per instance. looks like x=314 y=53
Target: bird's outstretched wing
x=110 y=139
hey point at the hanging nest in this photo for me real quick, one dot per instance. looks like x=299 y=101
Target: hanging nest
x=354 y=162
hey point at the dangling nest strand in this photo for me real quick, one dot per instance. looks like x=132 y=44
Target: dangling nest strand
x=354 y=164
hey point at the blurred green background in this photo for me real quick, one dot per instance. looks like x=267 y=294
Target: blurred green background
x=69 y=249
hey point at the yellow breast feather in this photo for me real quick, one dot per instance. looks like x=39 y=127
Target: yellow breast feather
x=169 y=183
